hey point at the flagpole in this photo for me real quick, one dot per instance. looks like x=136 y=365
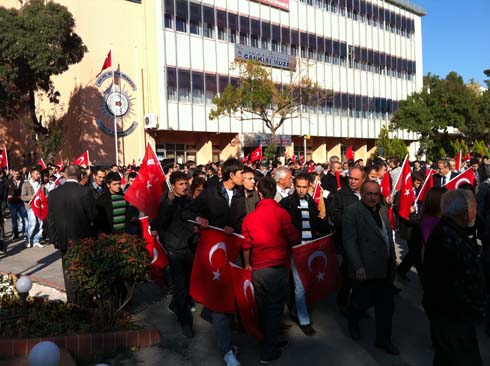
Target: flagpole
x=114 y=111
x=6 y=157
x=393 y=191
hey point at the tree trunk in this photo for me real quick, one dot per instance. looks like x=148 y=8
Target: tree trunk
x=36 y=124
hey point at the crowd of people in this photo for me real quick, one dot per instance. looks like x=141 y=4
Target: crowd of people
x=271 y=204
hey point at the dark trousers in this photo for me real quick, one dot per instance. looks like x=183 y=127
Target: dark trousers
x=181 y=267
x=271 y=293
x=455 y=342
x=70 y=292
x=413 y=257
x=18 y=210
x=486 y=271
x=379 y=293
x=345 y=285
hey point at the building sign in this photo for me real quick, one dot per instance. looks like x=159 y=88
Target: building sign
x=265 y=139
x=117 y=102
x=281 y=4
x=265 y=57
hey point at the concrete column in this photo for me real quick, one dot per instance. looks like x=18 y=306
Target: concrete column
x=335 y=150
x=361 y=153
x=205 y=152
x=319 y=153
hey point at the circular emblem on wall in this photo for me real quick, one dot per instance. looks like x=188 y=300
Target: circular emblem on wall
x=117 y=103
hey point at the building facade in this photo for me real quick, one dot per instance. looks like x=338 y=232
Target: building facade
x=171 y=57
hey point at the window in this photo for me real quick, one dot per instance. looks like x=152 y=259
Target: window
x=211 y=87
x=171 y=84
x=254 y=41
x=197 y=87
x=181 y=15
x=244 y=38
x=180 y=152
x=168 y=21
x=232 y=27
x=208 y=21
x=180 y=24
x=184 y=83
x=221 y=22
x=195 y=19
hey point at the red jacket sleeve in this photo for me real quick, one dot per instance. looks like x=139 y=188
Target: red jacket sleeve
x=247 y=243
x=288 y=229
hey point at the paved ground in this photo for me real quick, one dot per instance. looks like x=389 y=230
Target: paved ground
x=331 y=345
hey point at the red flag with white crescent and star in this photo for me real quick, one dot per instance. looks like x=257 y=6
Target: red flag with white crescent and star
x=159 y=258
x=316 y=262
x=458 y=159
x=83 y=159
x=107 y=63
x=467 y=177
x=428 y=184
x=4 y=161
x=148 y=187
x=407 y=195
x=385 y=185
x=245 y=299
x=256 y=154
x=245 y=159
x=39 y=204
x=42 y=164
x=211 y=282
x=60 y=165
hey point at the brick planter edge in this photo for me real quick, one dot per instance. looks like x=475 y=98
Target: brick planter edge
x=85 y=343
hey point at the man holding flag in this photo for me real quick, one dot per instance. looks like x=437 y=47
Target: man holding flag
x=35 y=224
x=269 y=233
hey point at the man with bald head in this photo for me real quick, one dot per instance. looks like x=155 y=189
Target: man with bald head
x=344 y=198
x=329 y=180
x=370 y=252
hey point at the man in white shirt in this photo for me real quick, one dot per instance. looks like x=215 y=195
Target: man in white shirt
x=284 y=180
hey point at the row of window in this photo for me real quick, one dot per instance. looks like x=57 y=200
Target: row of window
x=369 y=13
x=198 y=87
x=261 y=34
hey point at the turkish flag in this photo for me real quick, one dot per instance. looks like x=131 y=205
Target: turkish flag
x=468 y=176
x=148 y=187
x=311 y=168
x=428 y=184
x=398 y=182
x=385 y=185
x=39 y=204
x=245 y=159
x=349 y=154
x=317 y=194
x=60 y=165
x=256 y=154
x=337 y=178
x=4 y=161
x=211 y=281
x=83 y=159
x=42 y=164
x=245 y=300
x=59 y=180
x=458 y=159
x=316 y=262
x=407 y=196
x=159 y=259
x=107 y=63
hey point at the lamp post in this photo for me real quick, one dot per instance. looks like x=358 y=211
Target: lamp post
x=23 y=286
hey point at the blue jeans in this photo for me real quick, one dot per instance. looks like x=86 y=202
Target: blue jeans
x=300 y=297
x=18 y=213
x=35 y=228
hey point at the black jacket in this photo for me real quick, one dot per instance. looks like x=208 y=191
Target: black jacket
x=438 y=179
x=212 y=204
x=104 y=220
x=13 y=191
x=453 y=281
x=176 y=234
x=71 y=210
x=408 y=229
x=329 y=182
x=341 y=200
x=292 y=206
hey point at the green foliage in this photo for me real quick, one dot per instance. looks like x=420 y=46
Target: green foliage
x=390 y=147
x=270 y=152
x=106 y=271
x=457 y=146
x=444 y=110
x=50 y=143
x=36 y=42
x=480 y=147
x=257 y=97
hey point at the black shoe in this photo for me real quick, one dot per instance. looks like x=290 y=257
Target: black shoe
x=281 y=344
x=16 y=235
x=354 y=331
x=270 y=359
x=187 y=331
x=389 y=348
x=307 y=329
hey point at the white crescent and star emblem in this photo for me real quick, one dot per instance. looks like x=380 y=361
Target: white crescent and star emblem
x=79 y=161
x=247 y=284
x=406 y=177
x=221 y=245
x=461 y=181
x=407 y=192
x=311 y=258
x=150 y=162
x=37 y=202
x=148 y=184
x=155 y=254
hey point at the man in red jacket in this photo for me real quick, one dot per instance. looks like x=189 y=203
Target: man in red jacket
x=269 y=234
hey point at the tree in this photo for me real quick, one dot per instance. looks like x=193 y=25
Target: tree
x=36 y=42
x=444 y=109
x=257 y=97
x=390 y=147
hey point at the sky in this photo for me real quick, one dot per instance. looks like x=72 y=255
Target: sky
x=456 y=37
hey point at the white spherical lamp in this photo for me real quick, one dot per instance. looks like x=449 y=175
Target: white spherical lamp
x=23 y=285
x=45 y=354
